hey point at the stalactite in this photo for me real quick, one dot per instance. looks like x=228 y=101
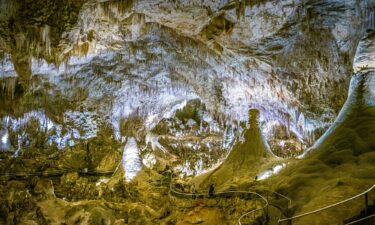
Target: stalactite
x=46 y=38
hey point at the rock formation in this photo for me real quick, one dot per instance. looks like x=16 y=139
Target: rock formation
x=246 y=158
x=341 y=160
x=99 y=100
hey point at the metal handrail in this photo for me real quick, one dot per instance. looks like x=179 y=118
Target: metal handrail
x=327 y=207
x=253 y=211
x=55 y=172
x=227 y=192
x=171 y=189
x=283 y=196
x=360 y=220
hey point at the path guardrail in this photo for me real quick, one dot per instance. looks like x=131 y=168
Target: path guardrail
x=172 y=190
x=230 y=193
x=52 y=173
x=364 y=219
x=362 y=194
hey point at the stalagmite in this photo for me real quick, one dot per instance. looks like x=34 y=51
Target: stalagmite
x=111 y=111
x=131 y=160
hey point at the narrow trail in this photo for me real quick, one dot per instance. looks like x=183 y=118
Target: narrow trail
x=229 y=194
x=244 y=194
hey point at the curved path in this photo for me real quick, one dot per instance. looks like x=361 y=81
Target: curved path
x=230 y=193
x=172 y=190
x=224 y=194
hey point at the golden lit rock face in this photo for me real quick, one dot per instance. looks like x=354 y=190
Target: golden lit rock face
x=341 y=159
x=252 y=142
x=249 y=156
x=361 y=91
x=102 y=102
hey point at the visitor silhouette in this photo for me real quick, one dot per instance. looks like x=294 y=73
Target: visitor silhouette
x=193 y=191
x=211 y=191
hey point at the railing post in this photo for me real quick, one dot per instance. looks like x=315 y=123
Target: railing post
x=366 y=204
x=267 y=211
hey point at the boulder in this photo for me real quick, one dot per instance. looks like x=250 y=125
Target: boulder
x=45 y=187
x=69 y=178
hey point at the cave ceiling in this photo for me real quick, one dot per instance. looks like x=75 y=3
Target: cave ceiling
x=111 y=61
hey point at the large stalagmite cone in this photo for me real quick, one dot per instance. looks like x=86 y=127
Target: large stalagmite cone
x=358 y=113
x=341 y=161
x=253 y=147
x=246 y=157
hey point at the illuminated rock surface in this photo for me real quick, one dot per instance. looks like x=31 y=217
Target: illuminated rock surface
x=340 y=164
x=100 y=100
